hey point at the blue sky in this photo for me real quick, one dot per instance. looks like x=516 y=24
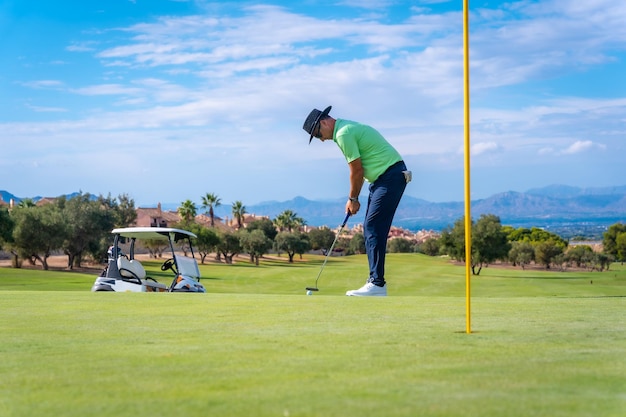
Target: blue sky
x=169 y=100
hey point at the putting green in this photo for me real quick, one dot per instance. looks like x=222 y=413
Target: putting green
x=542 y=345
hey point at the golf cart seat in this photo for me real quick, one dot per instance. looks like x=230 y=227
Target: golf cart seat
x=130 y=268
x=134 y=269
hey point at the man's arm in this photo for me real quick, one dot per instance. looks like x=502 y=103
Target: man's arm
x=356 y=183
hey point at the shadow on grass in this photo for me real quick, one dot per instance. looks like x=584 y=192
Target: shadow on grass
x=593 y=296
x=263 y=264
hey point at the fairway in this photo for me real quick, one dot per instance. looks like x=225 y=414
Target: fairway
x=544 y=344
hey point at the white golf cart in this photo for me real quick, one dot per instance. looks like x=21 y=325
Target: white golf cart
x=124 y=273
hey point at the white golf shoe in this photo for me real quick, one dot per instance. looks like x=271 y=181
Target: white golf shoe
x=369 y=290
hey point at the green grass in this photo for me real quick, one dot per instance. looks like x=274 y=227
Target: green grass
x=543 y=343
x=408 y=275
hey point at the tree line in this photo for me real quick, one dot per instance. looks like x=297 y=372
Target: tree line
x=492 y=242
x=80 y=227
x=283 y=234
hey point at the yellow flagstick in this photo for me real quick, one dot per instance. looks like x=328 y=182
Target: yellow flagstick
x=468 y=216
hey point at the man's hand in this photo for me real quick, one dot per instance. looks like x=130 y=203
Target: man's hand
x=353 y=207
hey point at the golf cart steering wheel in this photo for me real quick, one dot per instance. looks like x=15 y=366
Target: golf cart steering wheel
x=168 y=265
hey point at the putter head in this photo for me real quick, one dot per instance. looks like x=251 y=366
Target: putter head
x=312 y=289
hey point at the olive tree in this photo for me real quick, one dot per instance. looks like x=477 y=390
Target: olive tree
x=255 y=243
x=87 y=222
x=620 y=246
x=357 y=243
x=399 y=245
x=545 y=252
x=6 y=226
x=207 y=241
x=265 y=225
x=521 y=253
x=155 y=247
x=292 y=243
x=321 y=238
x=609 y=240
x=431 y=246
x=123 y=208
x=453 y=240
x=229 y=246
x=489 y=241
x=580 y=256
x=39 y=230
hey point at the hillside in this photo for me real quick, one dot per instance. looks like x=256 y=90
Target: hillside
x=557 y=207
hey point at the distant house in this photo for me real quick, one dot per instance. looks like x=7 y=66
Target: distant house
x=228 y=223
x=205 y=221
x=155 y=217
x=45 y=200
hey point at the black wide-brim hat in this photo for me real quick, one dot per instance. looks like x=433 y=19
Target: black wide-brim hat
x=312 y=120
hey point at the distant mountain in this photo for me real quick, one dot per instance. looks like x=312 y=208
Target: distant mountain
x=550 y=207
x=566 y=191
x=526 y=205
x=540 y=208
x=7 y=197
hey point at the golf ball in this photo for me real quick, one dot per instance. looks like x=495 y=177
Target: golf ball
x=309 y=292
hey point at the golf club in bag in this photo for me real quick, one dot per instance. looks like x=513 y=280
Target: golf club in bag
x=329 y=252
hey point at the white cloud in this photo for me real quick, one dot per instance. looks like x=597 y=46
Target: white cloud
x=44 y=84
x=81 y=47
x=367 y=4
x=267 y=31
x=545 y=151
x=106 y=89
x=541 y=39
x=579 y=146
x=219 y=90
x=44 y=109
x=582 y=146
x=484 y=147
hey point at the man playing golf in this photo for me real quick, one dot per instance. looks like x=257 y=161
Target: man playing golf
x=370 y=157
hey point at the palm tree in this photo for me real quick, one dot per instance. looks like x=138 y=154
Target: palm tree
x=26 y=203
x=239 y=210
x=187 y=210
x=210 y=201
x=288 y=220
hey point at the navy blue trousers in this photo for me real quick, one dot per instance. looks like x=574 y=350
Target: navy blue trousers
x=384 y=196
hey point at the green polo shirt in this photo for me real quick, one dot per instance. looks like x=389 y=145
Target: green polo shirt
x=361 y=141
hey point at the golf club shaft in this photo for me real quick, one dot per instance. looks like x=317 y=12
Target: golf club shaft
x=332 y=247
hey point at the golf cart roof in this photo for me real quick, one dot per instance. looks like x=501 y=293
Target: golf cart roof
x=157 y=233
